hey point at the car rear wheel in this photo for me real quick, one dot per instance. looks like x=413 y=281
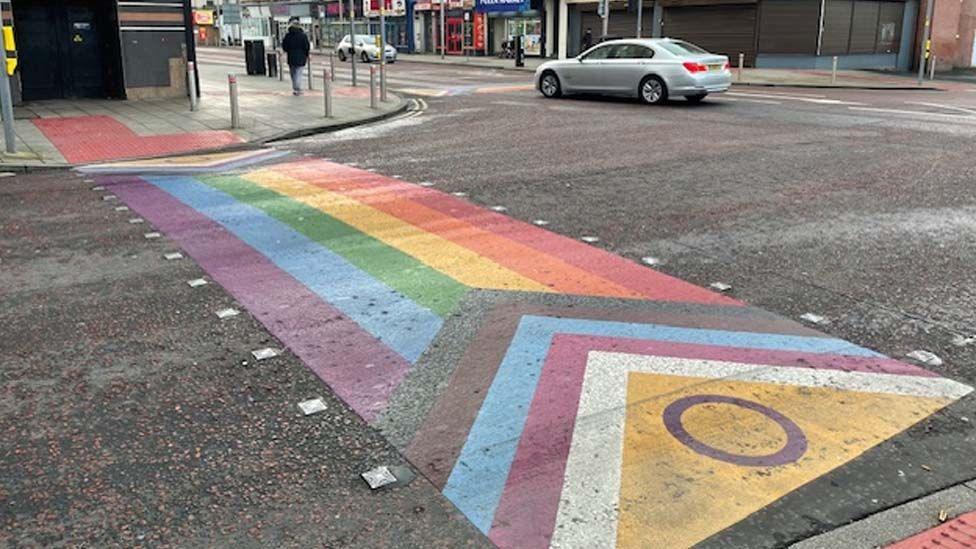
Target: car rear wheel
x=652 y=91
x=549 y=85
x=342 y=56
x=696 y=98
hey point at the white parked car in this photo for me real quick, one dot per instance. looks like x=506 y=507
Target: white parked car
x=366 y=49
x=651 y=69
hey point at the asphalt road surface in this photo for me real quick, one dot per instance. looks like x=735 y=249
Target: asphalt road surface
x=854 y=205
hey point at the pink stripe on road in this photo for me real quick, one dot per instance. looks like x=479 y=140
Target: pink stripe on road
x=526 y=514
x=358 y=367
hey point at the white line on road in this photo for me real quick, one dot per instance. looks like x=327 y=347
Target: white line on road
x=766 y=101
x=795 y=98
x=942 y=106
x=923 y=114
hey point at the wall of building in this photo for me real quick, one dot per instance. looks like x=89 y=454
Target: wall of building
x=953 y=32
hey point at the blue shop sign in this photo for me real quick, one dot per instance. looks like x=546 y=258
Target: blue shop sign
x=485 y=6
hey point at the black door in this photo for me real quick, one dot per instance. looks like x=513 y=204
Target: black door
x=62 y=48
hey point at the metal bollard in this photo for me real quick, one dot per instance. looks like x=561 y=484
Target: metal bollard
x=932 y=68
x=332 y=65
x=191 y=79
x=372 y=87
x=327 y=92
x=383 y=97
x=833 y=70
x=235 y=108
x=742 y=61
x=281 y=68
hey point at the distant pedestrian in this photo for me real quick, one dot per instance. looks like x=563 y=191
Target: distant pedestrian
x=297 y=47
x=587 y=42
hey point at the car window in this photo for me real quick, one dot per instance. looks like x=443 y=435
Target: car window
x=598 y=53
x=681 y=48
x=632 y=51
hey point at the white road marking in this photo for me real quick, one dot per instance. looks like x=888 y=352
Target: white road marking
x=942 y=106
x=803 y=99
x=765 y=101
x=957 y=117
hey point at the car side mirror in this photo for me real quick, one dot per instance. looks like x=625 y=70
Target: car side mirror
x=580 y=59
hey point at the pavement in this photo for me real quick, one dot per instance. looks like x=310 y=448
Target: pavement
x=72 y=132
x=529 y=316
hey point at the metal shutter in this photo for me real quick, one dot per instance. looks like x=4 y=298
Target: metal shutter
x=788 y=26
x=724 y=29
x=622 y=24
x=837 y=27
x=864 y=26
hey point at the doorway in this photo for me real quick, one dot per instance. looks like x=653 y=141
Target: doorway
x=455 y=35
x=68 y=49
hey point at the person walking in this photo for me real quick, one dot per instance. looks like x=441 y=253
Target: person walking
x=297 y=47
x=587 y=41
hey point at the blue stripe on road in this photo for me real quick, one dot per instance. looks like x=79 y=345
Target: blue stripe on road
x=478 y=478
x=397 y=321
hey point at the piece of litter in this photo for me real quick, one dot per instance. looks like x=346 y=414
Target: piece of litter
x=150 y=236
x=426 y=183
x=227 y=313
x=649 y=260
x=121 y=208
x=961 y=341
x=590 y=239
x=814 y=319
x=137 y=220
x=379 y=477
x=98 y=188
x=926 y=467
x=901 y=473
x=267 y=352
x=109 y=197
x=196 y=282
x=371 y=170
x=173 y=255
x=460 y=193
x=87 y=180
x=7 y=174
x=943 y=515
x=312 y=406
x=395 y=176
x=499 y=209
x=964 y=419
x=925 y=357
x=720 y=286
x=540 y=222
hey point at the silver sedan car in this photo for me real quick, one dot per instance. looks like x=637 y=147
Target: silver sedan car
x=652 y=69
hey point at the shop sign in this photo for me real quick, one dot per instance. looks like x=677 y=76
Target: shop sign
x=393 y=7
x=421 y=6
x=479 y=31
x=455 y=4
x=203 y=17
x=487 y=6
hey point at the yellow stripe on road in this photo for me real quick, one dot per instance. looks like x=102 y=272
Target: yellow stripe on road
x=457 y=262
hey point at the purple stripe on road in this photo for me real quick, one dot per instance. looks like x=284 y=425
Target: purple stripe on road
x=357 y=366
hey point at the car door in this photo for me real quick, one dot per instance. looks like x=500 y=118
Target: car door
x=583 y=75
x=629 y=64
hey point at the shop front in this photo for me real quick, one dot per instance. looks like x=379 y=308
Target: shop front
x=509 y=19
x=464 y=28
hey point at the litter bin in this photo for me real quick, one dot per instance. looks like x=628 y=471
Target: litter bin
x=272 y=65
x=254 y=57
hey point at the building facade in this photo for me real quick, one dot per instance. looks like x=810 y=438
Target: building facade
x=100 y=48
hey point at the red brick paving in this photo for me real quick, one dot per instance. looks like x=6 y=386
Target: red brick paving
x=84 y=139
x=958 y=533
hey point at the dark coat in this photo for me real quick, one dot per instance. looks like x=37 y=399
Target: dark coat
x=296 y=45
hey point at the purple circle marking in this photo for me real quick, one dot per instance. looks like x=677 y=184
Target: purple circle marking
x=796 y=441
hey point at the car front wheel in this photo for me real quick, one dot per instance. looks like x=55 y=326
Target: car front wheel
x=652 y=91
x=549 y=85
x=365 y=57
x=342 y=56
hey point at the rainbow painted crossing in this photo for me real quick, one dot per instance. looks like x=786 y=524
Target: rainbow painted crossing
x=545 y=385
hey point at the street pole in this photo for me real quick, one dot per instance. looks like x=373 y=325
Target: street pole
x=606 y=16
x=383 y=50
x=327 y=92
x=640 y=17
x=7 y=101
x=352 y=40
x=443 y=33
x=923 y=53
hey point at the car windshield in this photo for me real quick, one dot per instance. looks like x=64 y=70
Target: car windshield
x=680 y=47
